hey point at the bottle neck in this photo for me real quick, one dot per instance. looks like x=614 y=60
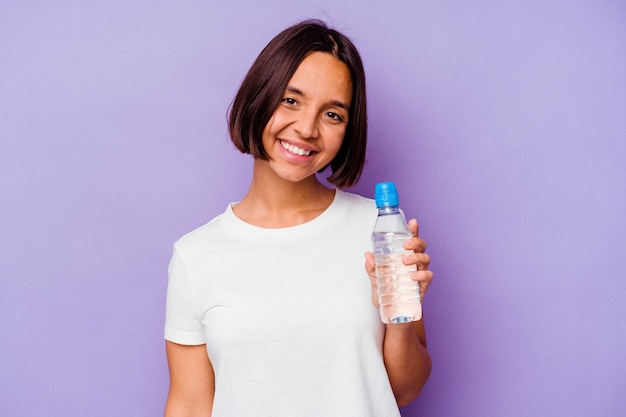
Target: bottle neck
x=388 y=210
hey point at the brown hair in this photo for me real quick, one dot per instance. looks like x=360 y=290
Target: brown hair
x=267 y=79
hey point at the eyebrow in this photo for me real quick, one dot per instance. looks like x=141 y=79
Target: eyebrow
x=337 y=103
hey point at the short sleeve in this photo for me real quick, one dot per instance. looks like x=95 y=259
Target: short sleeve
x=182 y=324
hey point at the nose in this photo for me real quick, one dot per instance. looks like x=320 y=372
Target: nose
x=306 y=125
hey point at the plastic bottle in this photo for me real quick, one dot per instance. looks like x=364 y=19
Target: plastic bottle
x=398 y=294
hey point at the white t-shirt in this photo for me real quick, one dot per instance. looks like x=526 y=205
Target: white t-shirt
x=286 y=314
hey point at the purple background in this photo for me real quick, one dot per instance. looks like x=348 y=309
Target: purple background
x=503 y=124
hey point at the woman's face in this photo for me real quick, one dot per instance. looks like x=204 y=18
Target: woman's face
x=307 y=128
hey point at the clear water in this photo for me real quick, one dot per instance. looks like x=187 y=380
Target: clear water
x=398 y=294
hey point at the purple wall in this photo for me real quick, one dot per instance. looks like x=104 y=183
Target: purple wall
x=503 y=123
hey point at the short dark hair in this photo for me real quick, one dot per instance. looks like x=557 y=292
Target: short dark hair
x=266 y=81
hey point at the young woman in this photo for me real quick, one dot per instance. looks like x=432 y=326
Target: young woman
x=270 y=311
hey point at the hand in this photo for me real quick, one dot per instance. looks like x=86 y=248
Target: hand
x=423 y=275
x=420 y=258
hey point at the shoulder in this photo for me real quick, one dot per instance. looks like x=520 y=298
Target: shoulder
x=356 y=210
x=355 y=200
x=202 y=236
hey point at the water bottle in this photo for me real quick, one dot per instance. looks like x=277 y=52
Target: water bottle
x=398 y=294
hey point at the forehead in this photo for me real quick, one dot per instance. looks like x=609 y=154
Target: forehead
x=322 y=75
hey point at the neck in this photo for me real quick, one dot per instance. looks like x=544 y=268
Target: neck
x=273 y=202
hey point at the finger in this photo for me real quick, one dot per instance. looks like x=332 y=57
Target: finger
x=423 y=286
x=423 y=278
x=415 y=244
x=421 y=260
x=414 y=226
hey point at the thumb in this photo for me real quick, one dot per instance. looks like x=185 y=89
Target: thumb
x=370 y=269
x=369 y=262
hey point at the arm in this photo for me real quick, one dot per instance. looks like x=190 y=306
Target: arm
x=406 y=359
x=192 y=382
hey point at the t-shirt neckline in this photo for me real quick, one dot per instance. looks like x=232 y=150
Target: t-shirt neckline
x=320 y=222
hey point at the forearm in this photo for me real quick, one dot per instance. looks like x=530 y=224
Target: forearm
x=406 y=359
x=178 y=410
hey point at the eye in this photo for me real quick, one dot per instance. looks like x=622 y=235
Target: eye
x=335 y=116
x=290 y=101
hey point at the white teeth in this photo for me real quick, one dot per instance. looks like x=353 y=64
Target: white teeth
x=294 y=149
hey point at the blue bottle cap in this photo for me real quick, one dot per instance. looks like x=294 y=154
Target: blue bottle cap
x=386 y=195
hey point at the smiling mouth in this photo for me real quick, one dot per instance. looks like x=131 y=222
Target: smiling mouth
x=294 y=149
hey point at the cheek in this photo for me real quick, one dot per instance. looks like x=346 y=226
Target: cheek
x=268 y=132
x=277 y=122
x=337 y=138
